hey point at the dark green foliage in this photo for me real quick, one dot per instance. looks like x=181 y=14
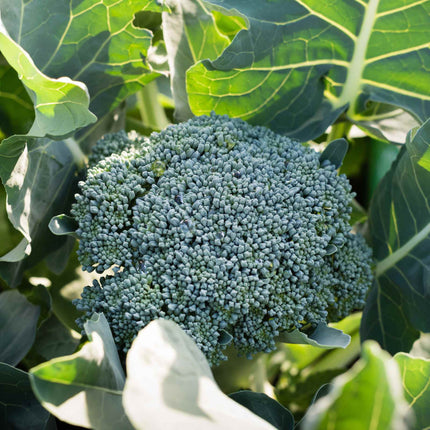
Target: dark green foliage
x=266 y=408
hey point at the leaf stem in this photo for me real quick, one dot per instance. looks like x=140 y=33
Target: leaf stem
x=259 y=380
x=338 y=130
x=356 y=67
x=150 y=109
x=390 y=261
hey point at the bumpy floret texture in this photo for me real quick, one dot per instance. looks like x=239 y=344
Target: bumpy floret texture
x=232 y=231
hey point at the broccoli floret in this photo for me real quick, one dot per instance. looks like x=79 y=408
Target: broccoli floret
x=115 y=143
x=230 y=230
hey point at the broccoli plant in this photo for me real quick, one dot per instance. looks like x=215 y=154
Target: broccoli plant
x=232 y=231
x=249 y=176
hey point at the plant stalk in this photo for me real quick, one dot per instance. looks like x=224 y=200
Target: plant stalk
x=151 y=112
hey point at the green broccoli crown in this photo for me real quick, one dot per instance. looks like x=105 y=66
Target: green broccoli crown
x=232 y=231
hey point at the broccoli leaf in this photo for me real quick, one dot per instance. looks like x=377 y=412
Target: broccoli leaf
x=301 y=63
x=385 y=122
x=92 y=42
x=266 y=408
x=61 y=105
x=40 y=177
x=19 y=408
x=85 y=388
x=335 y=152
x=369 y=395
x=53 y=340
x=18 y=321
x=399 y=222
x=62 y=224
x=169 y=384
x=108 y=55
x=322 y=336
x=191 y=35
x=415 y=378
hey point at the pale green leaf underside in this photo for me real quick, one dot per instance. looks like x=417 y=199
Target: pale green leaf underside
x=61 y=105
x=302 y=62
x=170 y=385
x=323 y=336
x=85 y=388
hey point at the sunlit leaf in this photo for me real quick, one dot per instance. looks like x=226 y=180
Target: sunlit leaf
x=89 y=41
x=170 y=385
x=85 y=388
x=191 y=34
x=370 y=395
x=301 y=63
x=61 y=105
x=415 y=374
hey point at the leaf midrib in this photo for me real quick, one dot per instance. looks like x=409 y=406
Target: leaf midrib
x=401 y=252
x=355 y=71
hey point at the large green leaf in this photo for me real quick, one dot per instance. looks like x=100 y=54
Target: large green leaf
x=399 y=222
x=416 y=386
x=61 y=105
x=91 y=41
x=18 y=322
x=170 y=385
x=30 y=169
x=85 y=388
x=303 y=62
x=369 y=396
x=40 y=177
x=19 y=408
x=191 y=35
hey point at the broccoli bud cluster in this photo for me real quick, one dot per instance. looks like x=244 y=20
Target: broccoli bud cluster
x=232 y=231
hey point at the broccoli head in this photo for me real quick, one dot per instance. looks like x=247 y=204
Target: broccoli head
x=232 y=231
